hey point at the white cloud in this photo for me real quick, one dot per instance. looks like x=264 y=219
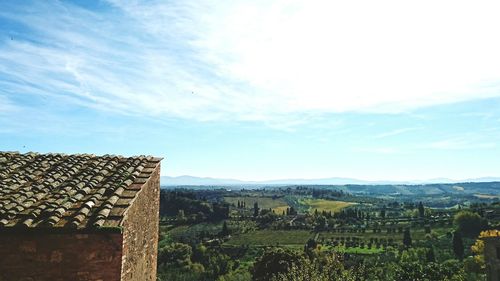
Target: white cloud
x=6 y=106
x=396 y=132
x=460 y=144
x=259 y=60
x=380 y=150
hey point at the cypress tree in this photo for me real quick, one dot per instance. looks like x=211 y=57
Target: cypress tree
x=225 y=230
x=430 y=256
x=458 y=245
x=407 y=238
x=255 y=209
x=421 y=210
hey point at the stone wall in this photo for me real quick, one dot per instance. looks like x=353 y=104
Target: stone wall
x=99 y=256
x=140 y=232
x=60 y=257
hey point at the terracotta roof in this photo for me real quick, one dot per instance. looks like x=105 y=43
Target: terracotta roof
x=69 y=191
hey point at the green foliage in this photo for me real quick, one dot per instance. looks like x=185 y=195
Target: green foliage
x=271 y=237
x=255 y=209
x=407 y=241
x=421 y=210
x=218 y=264
x=275 y=261
x=430 y=256
x=469 y=224
x=458 y=245
x=193 y=209
x=413 y=255
x=428 y=272
x=324 y=268
x=236 y=276
x=225 y=230
x=321 y=223
x=179 y=261
x=175 y=254
x=304 y=245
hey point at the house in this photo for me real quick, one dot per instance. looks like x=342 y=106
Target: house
x=78 y=217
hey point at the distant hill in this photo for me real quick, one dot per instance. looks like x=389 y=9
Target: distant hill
x=191 y=180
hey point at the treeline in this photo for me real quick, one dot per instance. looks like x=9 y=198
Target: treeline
x=186 y=205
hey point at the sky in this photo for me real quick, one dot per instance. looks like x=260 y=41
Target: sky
x=258 y=90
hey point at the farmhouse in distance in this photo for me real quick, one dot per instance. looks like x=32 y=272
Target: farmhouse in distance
x=78 y=217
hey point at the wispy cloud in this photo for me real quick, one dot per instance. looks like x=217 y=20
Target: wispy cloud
x=459 y=144
x=380 y=150
x=6 y=106
x=270 y=62
x=396 y=132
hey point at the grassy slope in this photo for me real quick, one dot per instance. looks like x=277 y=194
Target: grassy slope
x=278 y=205
x=272 y=237
x=325 y=205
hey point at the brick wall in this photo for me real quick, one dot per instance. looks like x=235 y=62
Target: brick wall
x=128 y=256
x=60 y=257
x=140 y=232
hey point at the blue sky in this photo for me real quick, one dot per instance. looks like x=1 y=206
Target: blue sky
x=253 y=90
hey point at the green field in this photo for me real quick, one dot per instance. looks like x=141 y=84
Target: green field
x=357 y=250
x=272 y=237
x=325 y=205
x=416 y=234
x=278 y=205
x=185 y=231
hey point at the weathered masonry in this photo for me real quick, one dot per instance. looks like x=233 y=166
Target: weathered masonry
x=78 y=217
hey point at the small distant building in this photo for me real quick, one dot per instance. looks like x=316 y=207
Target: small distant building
x=492 y=257
x=78 y=217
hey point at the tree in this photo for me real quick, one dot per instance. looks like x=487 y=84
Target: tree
x=256 y=209
x=311 y=244
x=327 y=267
x=225 y=230
x=218 y=264
x=421 y=210
x=477 y=264
x=275 y=261
x=407 y=238
x=382 y=213
x=175 y=254
x=458 y=245
x=285 y=265
x=469 y=223
x=430 y=256
x=322 y=223
x=181 y=218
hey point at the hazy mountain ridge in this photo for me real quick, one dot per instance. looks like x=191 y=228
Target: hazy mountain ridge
x=446 y=187
x=192 y=180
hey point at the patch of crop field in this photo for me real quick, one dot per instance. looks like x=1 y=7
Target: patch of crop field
x=325 y=205
x=278 y=205
x=486 y=196
x=280 y=210
x=272 y=238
